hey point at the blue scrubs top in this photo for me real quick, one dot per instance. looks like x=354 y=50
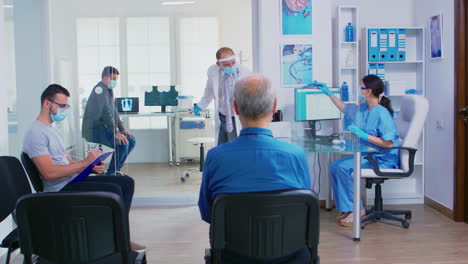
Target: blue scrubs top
x=379 y=123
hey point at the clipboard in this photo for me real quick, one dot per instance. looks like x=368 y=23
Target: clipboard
x=86 y=171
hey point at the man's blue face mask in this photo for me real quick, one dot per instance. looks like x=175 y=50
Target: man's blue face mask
x=113 y=84
x=60 y=115
x=230 y=71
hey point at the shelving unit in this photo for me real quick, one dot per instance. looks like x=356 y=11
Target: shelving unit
x=347 y=52
x=401 y=76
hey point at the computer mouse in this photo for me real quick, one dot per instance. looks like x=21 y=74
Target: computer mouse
x=338 y=141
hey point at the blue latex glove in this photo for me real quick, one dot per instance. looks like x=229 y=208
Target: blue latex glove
x=358 y=132
x=196 y=110
x=323 y=87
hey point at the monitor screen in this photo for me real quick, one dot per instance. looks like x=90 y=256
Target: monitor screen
x=163 y=99
x=127 y=104
x=312 y=104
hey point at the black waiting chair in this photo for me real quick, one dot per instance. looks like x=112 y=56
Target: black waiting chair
x=13 y=185
x=262 y=226
x=33 y=172
x=75 y=228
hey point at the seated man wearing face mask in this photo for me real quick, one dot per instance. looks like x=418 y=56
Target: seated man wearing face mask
x=220 y=87
x=44 y=146
x=101 y=121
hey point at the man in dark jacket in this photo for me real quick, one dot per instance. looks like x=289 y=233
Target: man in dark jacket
x=101 y=120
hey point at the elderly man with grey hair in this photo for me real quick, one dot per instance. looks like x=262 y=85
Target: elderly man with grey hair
x=255 y=161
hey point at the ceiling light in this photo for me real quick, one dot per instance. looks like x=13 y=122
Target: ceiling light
x=7 y=6
x=178 y=3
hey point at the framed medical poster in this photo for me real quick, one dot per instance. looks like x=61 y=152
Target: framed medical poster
x=296 y=65
x=435 y=28
x=296 y=17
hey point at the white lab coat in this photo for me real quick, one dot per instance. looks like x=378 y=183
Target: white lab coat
x=211 y=92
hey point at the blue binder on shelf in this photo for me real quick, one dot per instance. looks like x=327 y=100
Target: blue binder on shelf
x=372 y=69
x=392 y=44
x=373 y=45
x=383 y=44
x=381 y=71
x=401 y=44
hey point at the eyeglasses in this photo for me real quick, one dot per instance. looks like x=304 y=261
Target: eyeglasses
x=364 y=88
x=62 y=106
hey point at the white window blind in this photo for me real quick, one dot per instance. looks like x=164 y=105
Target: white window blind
x=149 y=63
x=198 y=43
x=97 y=47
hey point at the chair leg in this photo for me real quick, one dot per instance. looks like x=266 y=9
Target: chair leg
x=8 y=256
x=202 y=156
x=398 y=212
x=388 y=216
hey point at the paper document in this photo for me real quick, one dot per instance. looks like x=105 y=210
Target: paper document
x=86 y=171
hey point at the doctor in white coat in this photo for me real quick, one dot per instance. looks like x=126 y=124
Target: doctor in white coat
x=220 y=87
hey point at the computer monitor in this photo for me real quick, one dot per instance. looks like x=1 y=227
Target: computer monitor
x=313 y=105
x=163 y=99
x=127 y=105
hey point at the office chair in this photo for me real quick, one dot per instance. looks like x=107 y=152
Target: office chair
x=13 y=185
x=410 y=124
x=75 y=228
x=264 y=225
x=33 y=172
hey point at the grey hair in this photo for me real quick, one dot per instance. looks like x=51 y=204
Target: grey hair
x=254 y=96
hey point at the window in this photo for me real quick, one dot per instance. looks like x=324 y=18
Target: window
x=151 y=49
x=98 y=46
x=198 y=44
x=149 y=62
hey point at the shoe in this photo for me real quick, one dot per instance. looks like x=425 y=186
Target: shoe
x=136 y=247
x=342 y=215
x=348 y=220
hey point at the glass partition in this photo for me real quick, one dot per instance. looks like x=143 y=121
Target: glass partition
x=150 y=44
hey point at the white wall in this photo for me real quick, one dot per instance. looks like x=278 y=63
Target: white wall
x=440 y=91
x=63 y=45
x=381 y=13
x=270 y=41
x=323 y=14
x=5 y=226
x=32 y=59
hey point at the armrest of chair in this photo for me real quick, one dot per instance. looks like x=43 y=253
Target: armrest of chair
x=375 y=165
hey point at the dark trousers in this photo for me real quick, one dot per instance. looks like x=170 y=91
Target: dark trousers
x=121 y=151
x=123 y=186
x=223 y=136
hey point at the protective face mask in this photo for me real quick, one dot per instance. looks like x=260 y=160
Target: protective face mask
x=60 y=115
x=362 y=99
x=230 y=71
x=113 y=84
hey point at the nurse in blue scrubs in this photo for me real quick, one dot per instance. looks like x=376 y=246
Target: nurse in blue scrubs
x=372 y=122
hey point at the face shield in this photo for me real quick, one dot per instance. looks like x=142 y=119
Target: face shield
x=228 y=64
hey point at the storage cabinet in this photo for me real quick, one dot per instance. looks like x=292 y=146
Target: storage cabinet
x=402 y=75
x=185 y=126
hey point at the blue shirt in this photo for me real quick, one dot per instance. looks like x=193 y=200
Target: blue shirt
x=253 y=162
x=377 y=122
